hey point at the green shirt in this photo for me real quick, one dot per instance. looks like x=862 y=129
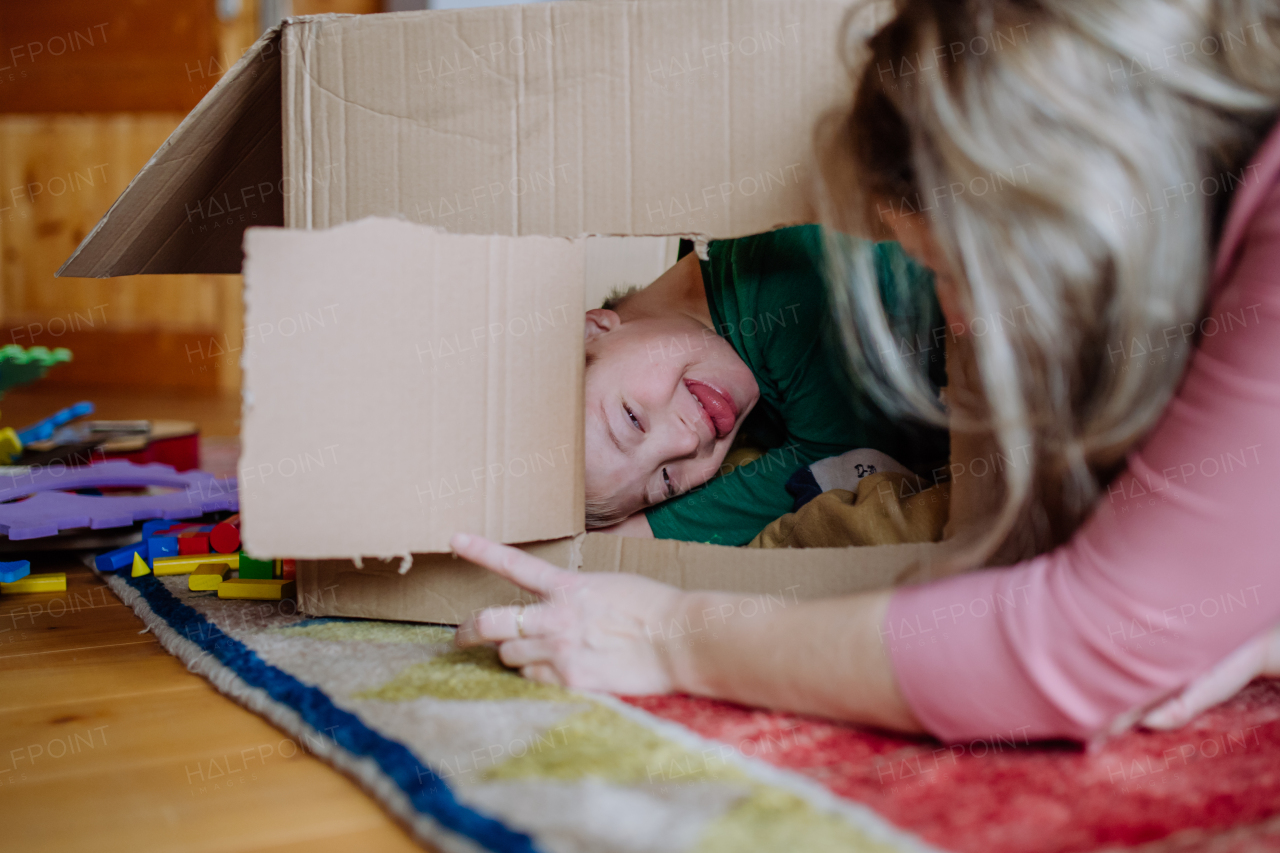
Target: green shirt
x=768 y=297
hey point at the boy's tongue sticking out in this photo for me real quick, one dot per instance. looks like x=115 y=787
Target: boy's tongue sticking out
x=719 y=409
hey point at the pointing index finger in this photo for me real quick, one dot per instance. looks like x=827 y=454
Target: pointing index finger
x=525 y=571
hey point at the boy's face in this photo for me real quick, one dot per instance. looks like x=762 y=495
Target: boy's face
x=664 y=398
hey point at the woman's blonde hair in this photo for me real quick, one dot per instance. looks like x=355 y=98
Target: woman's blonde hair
x=1073 y=159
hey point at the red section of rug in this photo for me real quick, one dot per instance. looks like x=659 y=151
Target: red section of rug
x=1006 y=796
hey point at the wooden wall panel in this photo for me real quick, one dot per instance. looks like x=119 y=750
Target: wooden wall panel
x=350 y=7
x=123 y=55
x=58 y=175
x=75 y=126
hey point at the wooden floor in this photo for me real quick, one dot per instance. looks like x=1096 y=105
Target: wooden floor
x=107 y=743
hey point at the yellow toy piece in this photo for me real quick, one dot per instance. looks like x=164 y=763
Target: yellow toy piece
x=140 y=566
x=164 y=566
x=261 y=589
x=10 y=445
x=208 y=576
x=48 y=582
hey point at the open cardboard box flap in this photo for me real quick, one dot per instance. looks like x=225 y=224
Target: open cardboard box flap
x=558 y=119
x=402 y=383
x=218 y=173
x=405 y=381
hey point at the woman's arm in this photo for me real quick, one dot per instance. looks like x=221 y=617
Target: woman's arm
x=628 y=634
x=818 y=657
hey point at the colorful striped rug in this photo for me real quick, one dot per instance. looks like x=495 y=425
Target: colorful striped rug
x=472 y=757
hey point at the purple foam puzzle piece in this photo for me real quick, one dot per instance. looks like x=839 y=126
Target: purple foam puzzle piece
x=49 y=510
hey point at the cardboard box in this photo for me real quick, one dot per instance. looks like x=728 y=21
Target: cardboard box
x=416 y=368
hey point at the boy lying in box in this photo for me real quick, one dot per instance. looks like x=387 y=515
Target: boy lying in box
x=743 y=342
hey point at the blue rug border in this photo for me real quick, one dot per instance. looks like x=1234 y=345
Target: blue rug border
x=428 y=793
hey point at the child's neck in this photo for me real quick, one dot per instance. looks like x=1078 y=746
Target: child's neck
x=679 y=290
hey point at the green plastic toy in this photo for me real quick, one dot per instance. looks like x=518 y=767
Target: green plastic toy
x=19 y=366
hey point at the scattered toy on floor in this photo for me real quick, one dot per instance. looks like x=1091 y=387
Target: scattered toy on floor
x=251 y=567
x=114 y=561
x=140 y=567
x=14 y=571
x=10 y=446
x=165 y=566
x=42 y=430
x=52 y=506
x=19 y=366
x=194 y=541
x=45 y=582
x=257 y=588
x=208 y=576
x=161 y=546
x=225 y=535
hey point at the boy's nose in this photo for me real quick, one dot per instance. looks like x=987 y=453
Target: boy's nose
x=685 y=437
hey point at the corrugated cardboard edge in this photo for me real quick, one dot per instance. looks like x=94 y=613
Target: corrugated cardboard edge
x=99 y=254
x=440 y=588
x=445 y=590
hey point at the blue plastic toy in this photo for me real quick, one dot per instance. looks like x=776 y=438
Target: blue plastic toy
x=15 y=571
x=43 y=430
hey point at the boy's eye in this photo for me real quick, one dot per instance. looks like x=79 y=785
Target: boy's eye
x=666 y=481
x=635 y=422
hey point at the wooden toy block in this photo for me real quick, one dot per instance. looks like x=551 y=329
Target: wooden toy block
x=251 y=568
x=225 y=535
x=195 y=543
x=165 y=566
x=161 y=546
x=168 y=527
x=140 y=566
x=208 y=576
x=289 y=569
x=263 y=589
x=14 y=571
x=48 y=582
x=150 y=528
x=114 y=561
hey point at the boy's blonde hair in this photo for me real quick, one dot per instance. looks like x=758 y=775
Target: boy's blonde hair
x=1036 y=136
x=601 y=511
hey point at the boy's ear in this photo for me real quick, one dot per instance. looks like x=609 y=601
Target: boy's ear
x=601 y=320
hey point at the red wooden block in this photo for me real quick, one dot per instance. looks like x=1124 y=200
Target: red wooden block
x=289 y=569
x=225 y=536
x=196 y=543
x=176 y=529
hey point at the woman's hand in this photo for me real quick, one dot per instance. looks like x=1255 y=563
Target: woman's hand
x=589 y=631
x=1258 y=657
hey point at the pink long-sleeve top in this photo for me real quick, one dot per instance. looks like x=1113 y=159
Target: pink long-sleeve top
x=1177 y=567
